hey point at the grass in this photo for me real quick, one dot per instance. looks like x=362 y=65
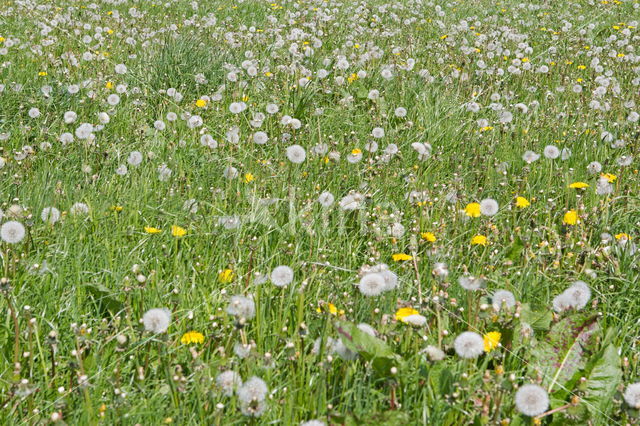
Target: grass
x=75 y=290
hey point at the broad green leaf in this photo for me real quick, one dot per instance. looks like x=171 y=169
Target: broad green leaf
x=602 y=382
x=369 y=347
x=103 y=299
x=558 y=357
x=538 y=320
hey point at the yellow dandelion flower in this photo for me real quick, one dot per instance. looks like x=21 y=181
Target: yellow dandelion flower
x=178 y=231
x=579 y=185
x=356 y=151
x=522 y=202
x=472 y=210
x=403 y=313
x=571 y=218
x=248 y=178
x=109 y=85
x=152 y=230
x=42 y=73
x=479 y=240
x=226 y=276
x=330 y=308
x=117 y=208
x=201 y=103
x=429 y=236
x=192 y=337
x=398 y=257
x=609 y=177
x=622 y=236
x=491 y=340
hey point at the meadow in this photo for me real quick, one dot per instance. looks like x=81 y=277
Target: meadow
x=319 y=212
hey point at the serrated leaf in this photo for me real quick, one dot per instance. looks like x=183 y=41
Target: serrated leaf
x=560 y=355
x=369 y=347
x=538 y=320
x=602 y=382
x=102 y=296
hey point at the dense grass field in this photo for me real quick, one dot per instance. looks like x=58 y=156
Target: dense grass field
x=319 y=212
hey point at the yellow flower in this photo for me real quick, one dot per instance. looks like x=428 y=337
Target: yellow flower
x=522 y=202
x=116 y=208
x=609 y=177
x=479 y=240
x=152 y=230
x=579 y=185
x=623 y=235
x=491 y=340
x=356 y=151
x=42 y=73
x=226 y=276
x=178 y=231
x=248 y=177
x=331 y=308
x=401 y=256
x=109 y=85
x=429 y=236
x=571 y=218
x=192 y=337
x=472 y=210
x=403 y=313
x=201 y=103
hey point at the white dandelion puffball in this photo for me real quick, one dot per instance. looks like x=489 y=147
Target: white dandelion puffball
x=296 y=154
x=260 y=138
x=313 y=422
x=326 y=199
x=228 y=382
x=532 y=400
x=254 y=389
x=579 y=294
x=632 y=395
x=50 y=215
x=377 y=132
x=489 y=207
x=551 y=152
x=503 y=298
x=157 y=320
x=242 y=307
x=470 y=283
x=366 y=328
x=434 y=353
x=575 y=297
x=469 y=345
x=372 y=284
x=79 y=208
x=530 y=156
x=416 y=320
x=281 y=276
x=12 y=232
x=135 y=158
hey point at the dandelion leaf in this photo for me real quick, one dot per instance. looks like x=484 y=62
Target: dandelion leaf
x=369 y=347
x=602 y=382
x=558 y=357
x=538 y=320
x=103 y=299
